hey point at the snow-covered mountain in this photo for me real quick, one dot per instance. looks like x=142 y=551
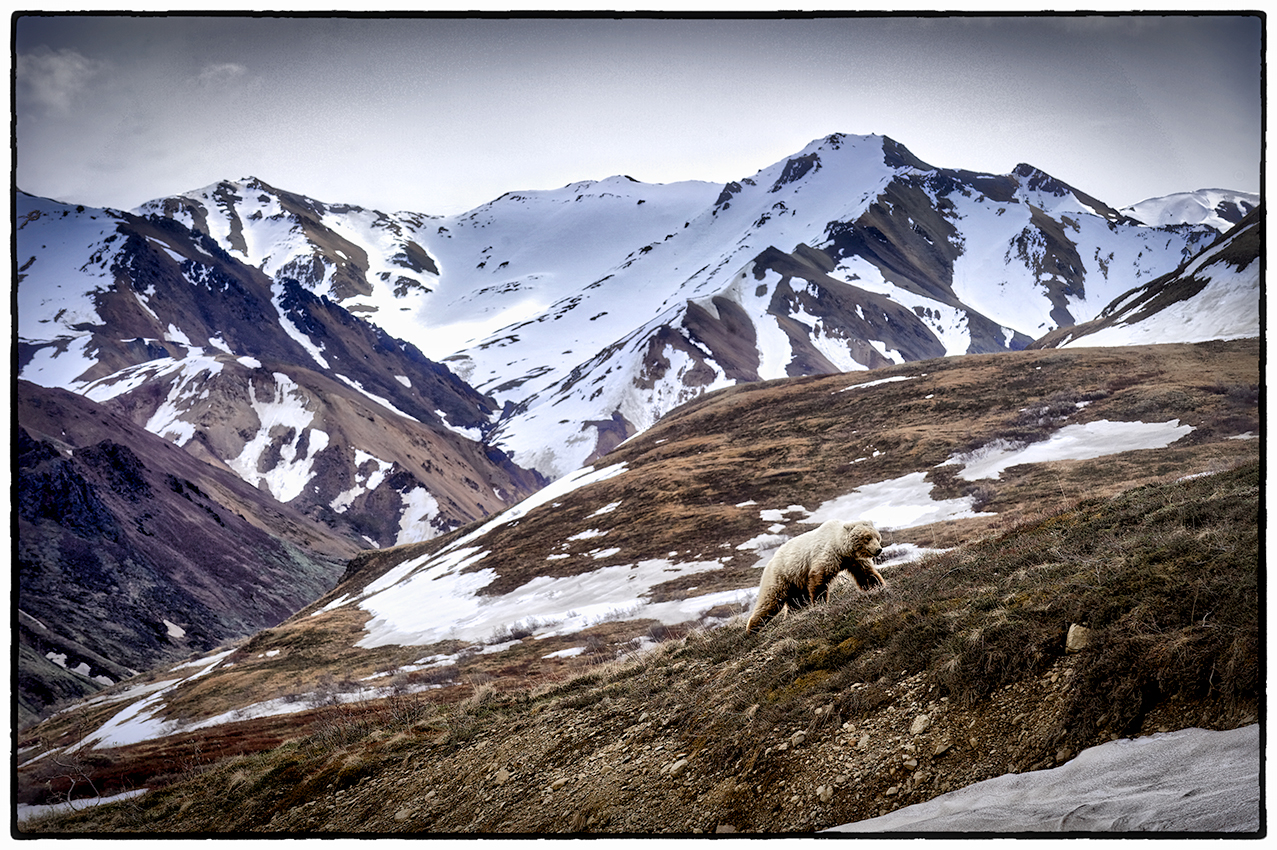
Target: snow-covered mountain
x=1219 y=208
x=288 y=389
x=585 y=313
x=568 y=319
x=1213 y=296
x=131 y=552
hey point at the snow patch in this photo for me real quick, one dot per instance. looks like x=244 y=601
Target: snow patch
x=1192 y=780
x=279 y=416
x=417 y=522
x=1072 y=442
x=903 y=502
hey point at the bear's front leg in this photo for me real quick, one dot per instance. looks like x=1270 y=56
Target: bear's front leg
x=866 y=574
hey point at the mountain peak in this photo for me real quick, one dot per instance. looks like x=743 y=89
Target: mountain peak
x=897 y=155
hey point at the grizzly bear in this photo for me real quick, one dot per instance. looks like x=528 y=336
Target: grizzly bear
x=801 y=570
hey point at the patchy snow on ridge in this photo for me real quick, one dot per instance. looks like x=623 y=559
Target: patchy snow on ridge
x=1191 y=780
x=285 y=410
x=140 y=721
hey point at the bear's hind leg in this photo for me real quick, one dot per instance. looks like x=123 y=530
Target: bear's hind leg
x=764 y=609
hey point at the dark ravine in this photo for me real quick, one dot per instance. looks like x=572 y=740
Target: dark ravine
x=120 y=530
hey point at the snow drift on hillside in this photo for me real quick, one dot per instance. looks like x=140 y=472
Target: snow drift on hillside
x=1193 y=780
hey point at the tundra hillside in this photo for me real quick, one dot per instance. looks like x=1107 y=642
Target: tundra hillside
x=955 y=672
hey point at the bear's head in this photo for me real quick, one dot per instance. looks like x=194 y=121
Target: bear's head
x=861 y=540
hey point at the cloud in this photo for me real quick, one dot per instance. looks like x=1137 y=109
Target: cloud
x=51 y=80
x=220 y=73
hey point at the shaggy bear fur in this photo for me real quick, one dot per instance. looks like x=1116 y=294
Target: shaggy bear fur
x=801 y=570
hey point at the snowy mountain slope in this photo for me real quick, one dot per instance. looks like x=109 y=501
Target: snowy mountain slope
x=1216 y=295
x=993 y=276
x=261 y=376
x=1218 y=208
x=589 y=311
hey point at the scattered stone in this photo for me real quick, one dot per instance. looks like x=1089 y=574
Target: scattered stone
x=403 y=814
x=797 y=738
x=677 y=768
x=941 y=748
x=863 y=743
x=501 y=777
x=893 y=790
x=558 y=783
x=825 y=792
x=841 y=779
x=911 y=764
x=1063 y=755
x=749 y=714
x=723 y=828
x=921 y=724
x=1079 y=637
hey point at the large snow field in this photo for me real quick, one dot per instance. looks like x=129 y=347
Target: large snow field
x=1187 y=207
x=1192 y=780
x=429 y=608
x=903 y=502
x=57 y=286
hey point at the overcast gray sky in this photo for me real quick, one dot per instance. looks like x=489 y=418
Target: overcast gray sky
x=439 y=115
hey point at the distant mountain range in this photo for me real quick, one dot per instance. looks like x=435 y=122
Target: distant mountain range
x=384 y=378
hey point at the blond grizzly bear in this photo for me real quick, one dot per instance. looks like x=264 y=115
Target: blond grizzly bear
x=801 y=570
